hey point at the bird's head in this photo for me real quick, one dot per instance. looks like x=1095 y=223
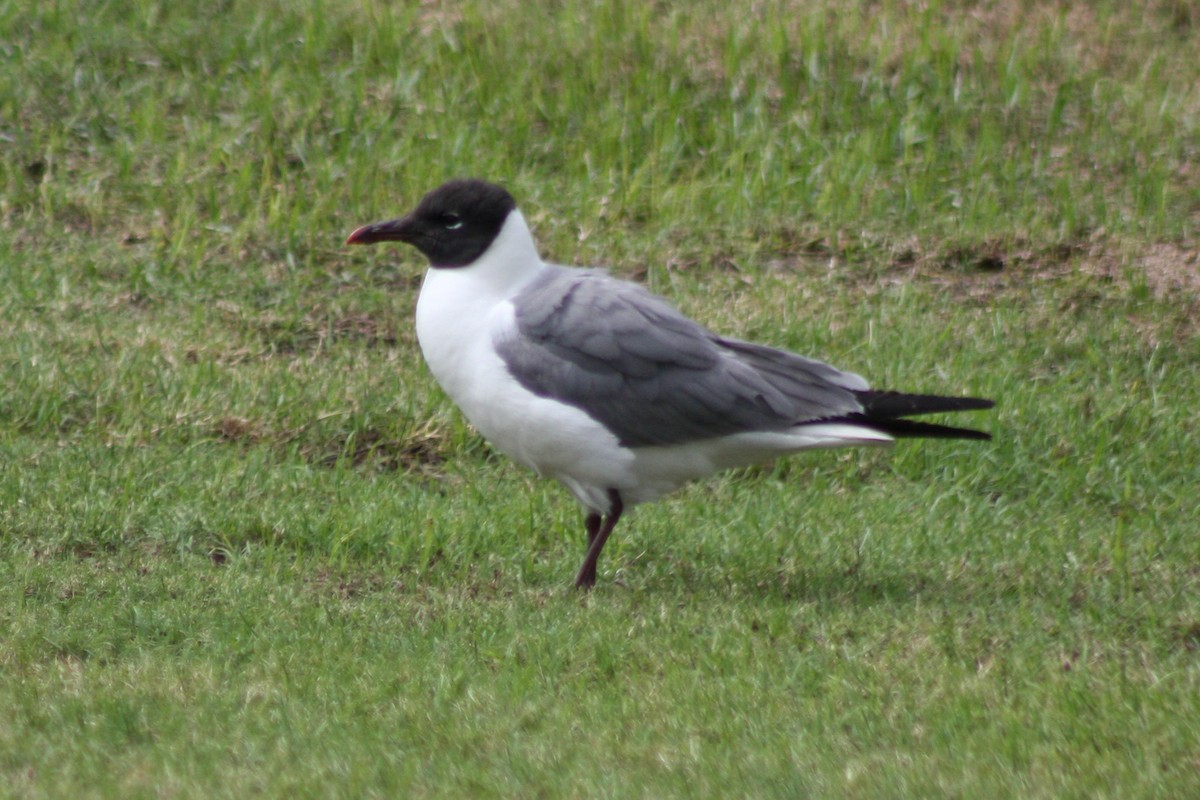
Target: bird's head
x=452 y=226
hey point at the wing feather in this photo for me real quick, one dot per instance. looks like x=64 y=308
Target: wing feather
x=653 y=376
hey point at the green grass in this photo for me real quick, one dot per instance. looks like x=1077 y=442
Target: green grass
x=248 y=548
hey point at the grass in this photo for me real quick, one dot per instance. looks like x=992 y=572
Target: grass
x=249 y=548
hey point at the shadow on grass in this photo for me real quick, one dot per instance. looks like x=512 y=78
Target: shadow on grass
x=856 y=585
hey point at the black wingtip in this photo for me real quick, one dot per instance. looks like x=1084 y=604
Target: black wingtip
x=892 y=405
x=912 y=429
x=885 y=412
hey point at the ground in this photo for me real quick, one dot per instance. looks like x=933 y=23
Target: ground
x=249 y=547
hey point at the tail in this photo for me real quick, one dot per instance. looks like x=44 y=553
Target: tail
x=884 y=412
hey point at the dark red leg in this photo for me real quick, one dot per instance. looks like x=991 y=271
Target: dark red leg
x=592 y=526
x=597 y=535
x=588 y=577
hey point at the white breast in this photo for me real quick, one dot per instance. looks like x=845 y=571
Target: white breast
x=460 y=314
x=463 y=312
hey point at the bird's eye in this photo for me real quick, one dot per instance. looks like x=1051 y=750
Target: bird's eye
x=452 y=221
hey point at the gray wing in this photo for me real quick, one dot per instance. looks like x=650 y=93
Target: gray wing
x=653 y=376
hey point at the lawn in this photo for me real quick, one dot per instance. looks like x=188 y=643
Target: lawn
x=248 y=548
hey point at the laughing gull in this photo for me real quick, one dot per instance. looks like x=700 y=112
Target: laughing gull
x=603 y=386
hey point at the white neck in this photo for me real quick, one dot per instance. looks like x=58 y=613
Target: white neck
x=454 y=292
x=457 y=305
x=511 y=260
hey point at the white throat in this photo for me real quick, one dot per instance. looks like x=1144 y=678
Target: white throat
x=511 y=260
x=458 y=305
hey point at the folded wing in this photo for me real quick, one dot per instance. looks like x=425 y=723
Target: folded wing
x=655 y=377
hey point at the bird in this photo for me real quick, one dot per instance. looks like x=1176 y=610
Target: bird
x=604 y=386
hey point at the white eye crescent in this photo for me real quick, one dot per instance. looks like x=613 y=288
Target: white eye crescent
x=452 y=222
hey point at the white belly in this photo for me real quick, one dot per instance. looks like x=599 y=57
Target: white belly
x=553 y=439
x=458 y=321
